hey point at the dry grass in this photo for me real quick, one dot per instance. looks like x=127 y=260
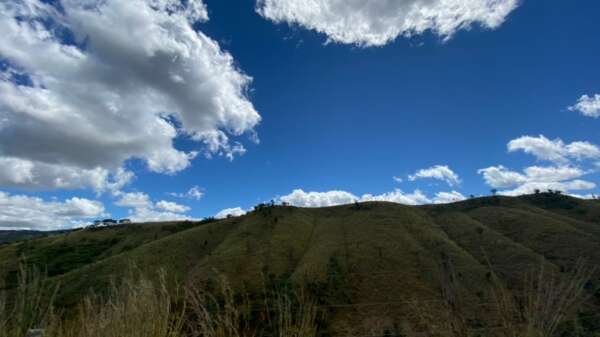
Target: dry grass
x=29 y=307
x=139 y=307
x=548 y=300
x=280 y=313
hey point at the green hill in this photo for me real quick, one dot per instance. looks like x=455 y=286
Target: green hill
x=363 y=261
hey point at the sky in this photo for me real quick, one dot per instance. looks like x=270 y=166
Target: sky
x=184 y=109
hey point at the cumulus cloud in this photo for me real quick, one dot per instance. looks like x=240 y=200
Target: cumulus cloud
x=169 y=206
x=25 y=212
x=142 y=209
x=318 y=199
x=85 y=88
x=397 y=196
x=376 y=23
x=554 y=150
x=227 y=212
x=535 y=178
x=301 y=198
x=34 y=175
x=134 y=200
x=588 y=106
x=567 y=186
x=154 y=215
x=501 y=177
x=439 y=172
x=193 y=193
x=448 y=197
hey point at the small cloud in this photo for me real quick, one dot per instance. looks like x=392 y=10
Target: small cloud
x=169 y=206
x=448 y=197
x=193 y=193
x=588 y=106
x=439 y=172
x=228 y=212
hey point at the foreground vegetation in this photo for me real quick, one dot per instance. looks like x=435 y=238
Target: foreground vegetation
x=546 y=305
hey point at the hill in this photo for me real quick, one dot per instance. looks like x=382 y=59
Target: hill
x=8 y=236
x=363 y=261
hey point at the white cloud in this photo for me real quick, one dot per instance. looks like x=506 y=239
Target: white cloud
x=561 y=178
x=318 y=199
x=301 y=198
x=237 y=211
x=588 y=106
x=134 y=200
x=26 y=174
x=552 y=173
x=439 y=172
x=398 y=179
x=153 y=215
x=169 y=206
x=448 y=197
x=397 y=196
x=501 y=177
x=583 y=150
x=376 y=23
x=554 y=150
x=112 y=92
x=531 y=187
x=24 y=212
x=193 y=193
x=142 y=209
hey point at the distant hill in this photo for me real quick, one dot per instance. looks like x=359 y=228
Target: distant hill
x=8 y=236
x=365 y=260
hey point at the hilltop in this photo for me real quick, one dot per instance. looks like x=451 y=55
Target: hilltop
x=364 y=260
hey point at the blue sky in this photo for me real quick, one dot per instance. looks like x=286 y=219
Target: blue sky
x=341 y=116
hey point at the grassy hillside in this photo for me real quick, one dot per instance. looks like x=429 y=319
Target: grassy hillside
x=365 y=261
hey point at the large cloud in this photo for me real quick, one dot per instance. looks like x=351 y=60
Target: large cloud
x=588 y=106
x=376 y=23
x=86 y=88
x=301 y=198
x=439 y=172
x=25 y=212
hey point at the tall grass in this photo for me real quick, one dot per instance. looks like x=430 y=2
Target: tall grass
x=281 y=312
x=29 y=306
x=137 y=307
x=548 y=300
x=140 y=307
